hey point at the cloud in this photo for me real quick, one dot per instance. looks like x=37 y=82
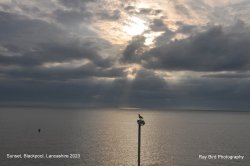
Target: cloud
x=76 y=4
x=37 y=42
x=19 y=30
x=147 y=90
x=62 y=73
x=133 y=50
x=129 y=8
x=181 y=9
x=65 y=52
x=158 y=25
x=52 y=52
x=217 y=49
x=238 y=75
x=143 y=11
x=71 y=17
x=187 y=29
x=109 y=15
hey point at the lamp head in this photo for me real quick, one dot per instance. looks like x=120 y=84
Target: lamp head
x=141 y=122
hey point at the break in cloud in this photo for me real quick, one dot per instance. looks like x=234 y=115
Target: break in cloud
x=107 y=53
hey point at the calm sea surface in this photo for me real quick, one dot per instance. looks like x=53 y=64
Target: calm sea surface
x=109 y=137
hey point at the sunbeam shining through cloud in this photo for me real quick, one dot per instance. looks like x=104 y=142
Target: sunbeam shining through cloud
x=156 y=53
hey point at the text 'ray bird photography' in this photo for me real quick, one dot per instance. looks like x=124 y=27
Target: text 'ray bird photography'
x=124 y=83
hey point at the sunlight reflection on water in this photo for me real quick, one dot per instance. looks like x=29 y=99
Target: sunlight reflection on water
x=109 y=137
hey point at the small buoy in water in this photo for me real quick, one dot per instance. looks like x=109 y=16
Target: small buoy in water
x=39 y=130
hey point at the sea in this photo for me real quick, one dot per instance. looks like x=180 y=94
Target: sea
x=109 y=137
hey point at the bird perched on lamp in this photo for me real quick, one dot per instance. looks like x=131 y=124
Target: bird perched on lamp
x=140 y=116
x=140 y=121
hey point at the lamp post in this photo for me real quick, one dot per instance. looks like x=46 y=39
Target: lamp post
x=140 y=123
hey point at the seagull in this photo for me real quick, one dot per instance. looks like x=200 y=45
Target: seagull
x=140 y=116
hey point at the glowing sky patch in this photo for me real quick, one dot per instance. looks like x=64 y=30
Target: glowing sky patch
x=135 y=26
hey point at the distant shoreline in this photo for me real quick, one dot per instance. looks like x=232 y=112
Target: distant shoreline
x=78 y=107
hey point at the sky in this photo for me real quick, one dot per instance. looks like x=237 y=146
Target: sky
x=126 y=53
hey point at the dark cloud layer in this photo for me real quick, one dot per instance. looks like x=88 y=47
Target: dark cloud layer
x=133 y=50
x=147 y=90
x=54 y=52
x=62 y=73
x=158 y=25
x=75 y=4
x=19 y=30
x=217 y=49
x=239 y=75
x=70 y=18
x=31 y=42
x=42 y=61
